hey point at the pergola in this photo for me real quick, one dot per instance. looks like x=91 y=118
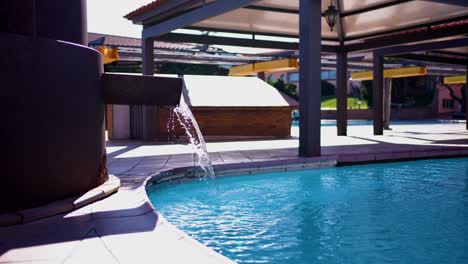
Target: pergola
x=422 y=30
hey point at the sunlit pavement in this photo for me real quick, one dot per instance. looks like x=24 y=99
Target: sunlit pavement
x=138 y=159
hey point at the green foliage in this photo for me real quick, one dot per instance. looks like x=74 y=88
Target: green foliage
x=196 y=69
x=328 y=89
x=330 y=102
x=289 y=89
x=419 y=99
x=424 y=99
x=366 y=92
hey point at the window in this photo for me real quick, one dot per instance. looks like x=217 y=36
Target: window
x=282 y=77
x=293 y=77
x=271 y=78
x=328 y=75
x=448 y=104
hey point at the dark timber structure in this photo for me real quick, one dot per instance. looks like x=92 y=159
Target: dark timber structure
x=384 y=28
x=54 y=85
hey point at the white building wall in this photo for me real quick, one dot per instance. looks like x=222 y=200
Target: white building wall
x=121 y=121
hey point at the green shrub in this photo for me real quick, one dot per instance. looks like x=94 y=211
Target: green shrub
x=328 y=89
x=366 y=92
x=289 y=89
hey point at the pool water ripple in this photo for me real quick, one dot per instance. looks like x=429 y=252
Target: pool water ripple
x=408 y=212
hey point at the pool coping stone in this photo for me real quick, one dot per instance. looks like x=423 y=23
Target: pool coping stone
x=109 y=187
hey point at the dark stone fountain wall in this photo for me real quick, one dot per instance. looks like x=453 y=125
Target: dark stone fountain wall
x=52 y=105
x=53 y=19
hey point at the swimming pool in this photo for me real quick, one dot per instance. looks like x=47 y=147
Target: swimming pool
x=406 y=212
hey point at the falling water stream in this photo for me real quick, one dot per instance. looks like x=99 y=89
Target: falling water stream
x=192 y=130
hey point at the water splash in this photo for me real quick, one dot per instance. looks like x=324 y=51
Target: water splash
x=170 y=126
x=192 y=130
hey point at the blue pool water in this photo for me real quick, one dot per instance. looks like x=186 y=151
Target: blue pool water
x=408 y=212
x=331 y=122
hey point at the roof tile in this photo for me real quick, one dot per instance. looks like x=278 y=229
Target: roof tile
x=145 y=8
x=110 y=40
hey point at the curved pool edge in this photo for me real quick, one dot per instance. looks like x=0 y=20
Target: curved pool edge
x=175 y=235
x=180 y=175
x=185 y=174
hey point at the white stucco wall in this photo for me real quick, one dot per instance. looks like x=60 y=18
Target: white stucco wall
x=121 y=118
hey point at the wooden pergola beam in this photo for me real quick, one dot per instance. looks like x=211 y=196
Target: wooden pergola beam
x=210 y=10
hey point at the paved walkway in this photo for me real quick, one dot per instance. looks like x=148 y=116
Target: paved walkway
x=138 y=159
x=124 y=228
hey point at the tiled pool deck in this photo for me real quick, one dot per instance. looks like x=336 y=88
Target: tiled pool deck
x=124 y=228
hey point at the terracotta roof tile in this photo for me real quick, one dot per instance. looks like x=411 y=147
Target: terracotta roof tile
x=97 y=39
x=145 y=8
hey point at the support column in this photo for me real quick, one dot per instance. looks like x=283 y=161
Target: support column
x=261 y=76
x=149 y=113
x=377 y=90
x=466 y=97
x=310 y=21
x=341 y=93
x=387 y=103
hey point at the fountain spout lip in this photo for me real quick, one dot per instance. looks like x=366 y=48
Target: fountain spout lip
x=130 y=89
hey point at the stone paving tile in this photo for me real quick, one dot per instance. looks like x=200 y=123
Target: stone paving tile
x=215 y=158
x=126 y=225
x=151 y=165
x=118 y=169
x=91 y=250
x=183 y=157
x=51 y=239
x=229 y=157
x=142 y=248
x=81 y=213
x=157 y=158
x=89 y=197
x=172 y=165
x=120 y=208
x=143 y=170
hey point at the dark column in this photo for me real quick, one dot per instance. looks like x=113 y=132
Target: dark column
x=341 y=92
x=466 y=97
x=149 y=113
x=62 y=20
x=310 y=21
x=387 y=94
x=262 y=76
x=53 y=19
x=377 y=88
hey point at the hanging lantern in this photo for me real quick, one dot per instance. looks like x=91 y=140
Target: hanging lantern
x=331 y=15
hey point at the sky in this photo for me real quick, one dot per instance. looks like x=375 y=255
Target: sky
x=106 y=16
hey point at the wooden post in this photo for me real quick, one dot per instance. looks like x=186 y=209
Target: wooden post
x=310 y=21
x=387 y=103
x=377 y=88
x=261 y=76
x=341 y=93
x=149 y=113
x=466 y=98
